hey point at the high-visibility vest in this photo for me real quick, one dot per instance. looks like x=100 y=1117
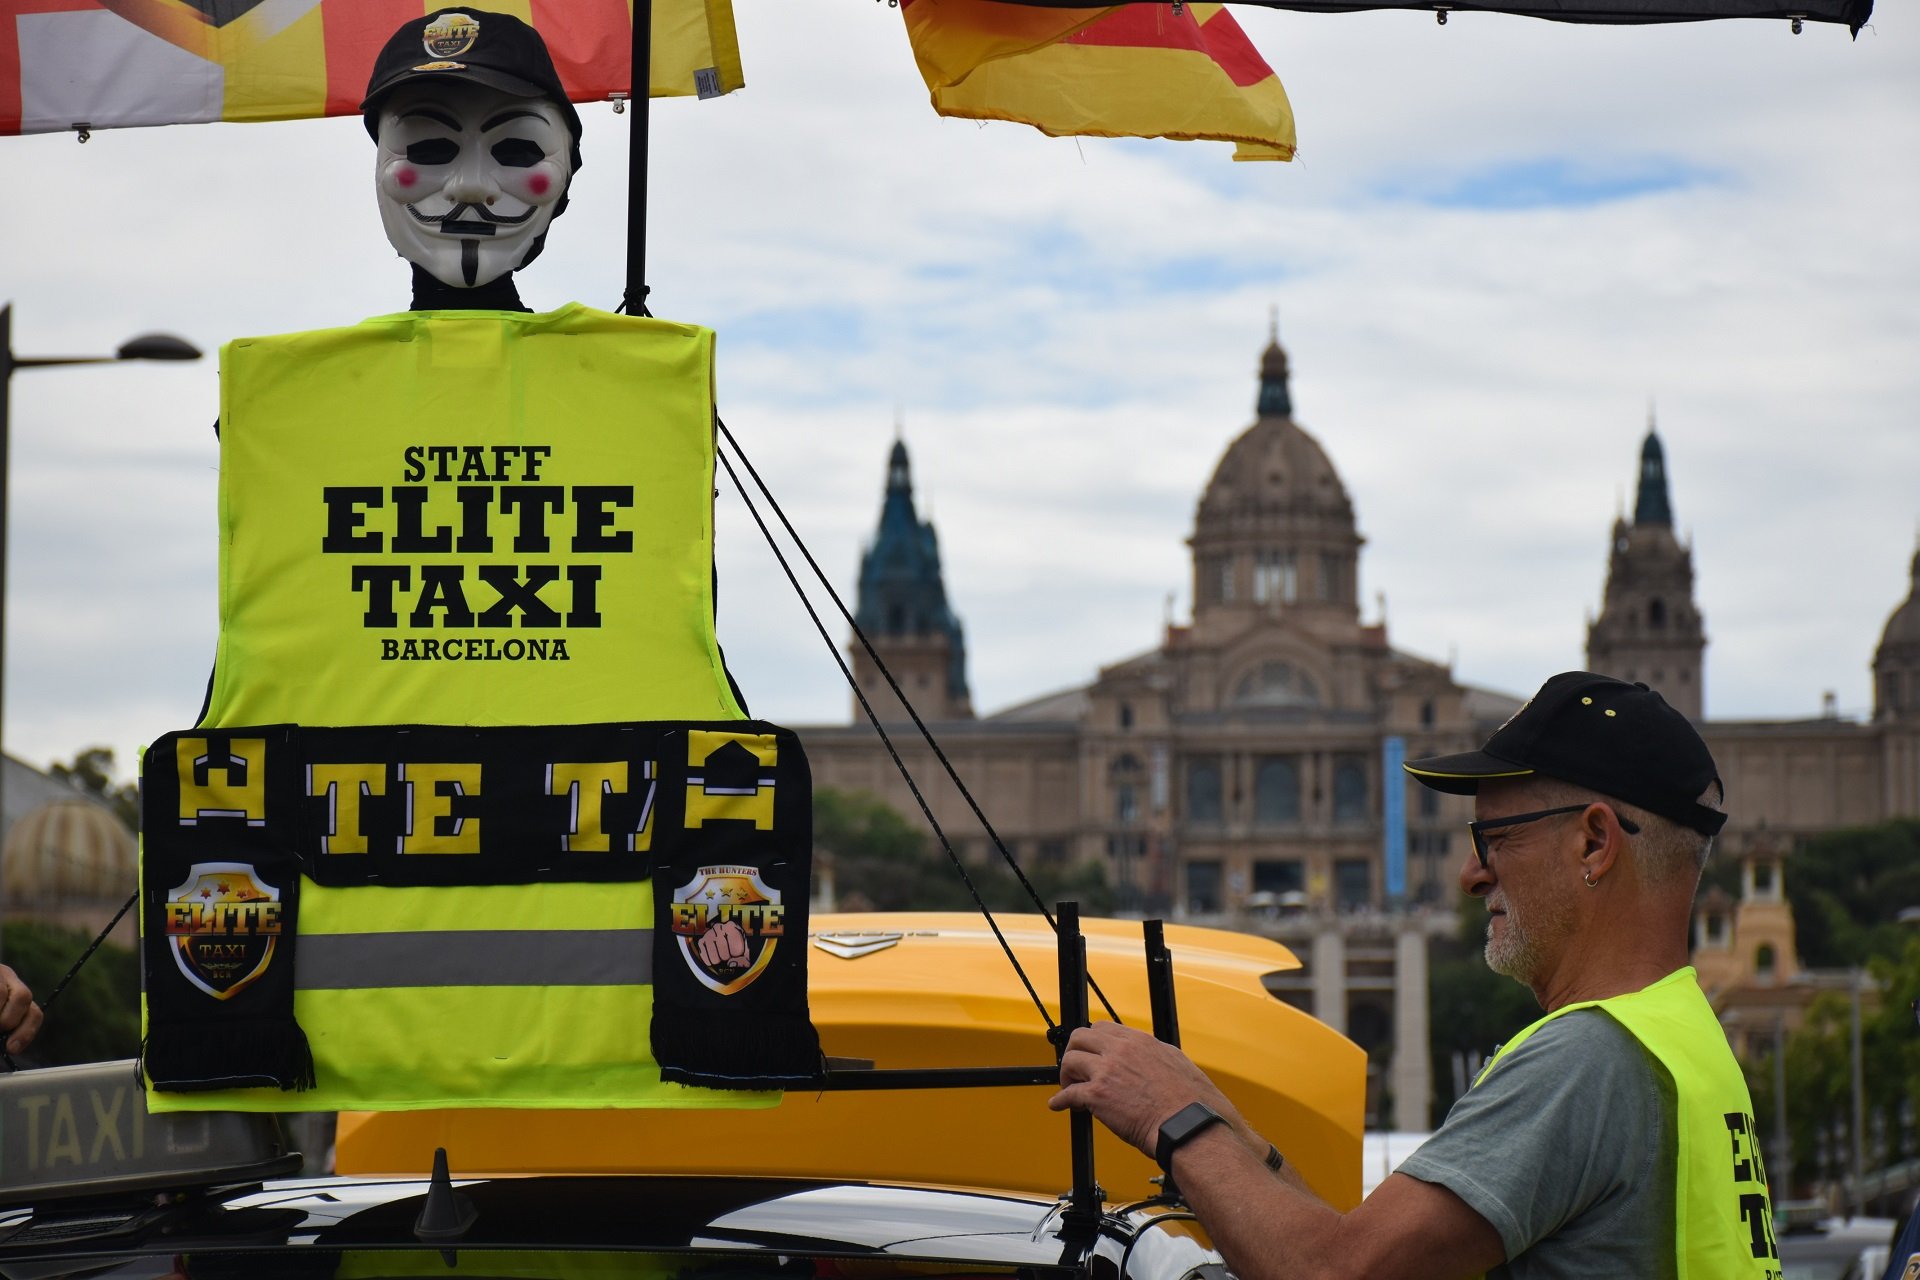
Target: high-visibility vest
x=468 y=519
x=1723 y=1219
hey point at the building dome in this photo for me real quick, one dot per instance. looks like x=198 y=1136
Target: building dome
x=1274 y=471
x=65 y=851
x=1274 y=530
x=1896 y=664
x=1903 y=628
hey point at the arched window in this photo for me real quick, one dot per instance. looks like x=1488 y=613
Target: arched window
x=1203 y=790
x=1656 y=613
x=1349 y=790
x=1763 y=961
x=1276 y=790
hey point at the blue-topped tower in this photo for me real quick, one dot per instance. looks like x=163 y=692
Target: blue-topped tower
x=1649 y=628
x=902 y=608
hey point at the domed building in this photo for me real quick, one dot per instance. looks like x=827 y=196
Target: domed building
x=1244 y=771
x=65 y=857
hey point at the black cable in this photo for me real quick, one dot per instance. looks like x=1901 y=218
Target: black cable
x=894 y=685
x=898 y=763
x=87 y=955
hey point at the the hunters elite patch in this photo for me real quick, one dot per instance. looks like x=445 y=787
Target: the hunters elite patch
x=728 y=922
x=450 y=35
x=223 y=924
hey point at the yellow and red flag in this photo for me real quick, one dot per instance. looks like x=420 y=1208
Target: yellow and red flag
x=1128 y=70
x=97 y=64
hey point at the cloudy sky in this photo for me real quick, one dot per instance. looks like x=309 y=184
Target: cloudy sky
x=1502 y=241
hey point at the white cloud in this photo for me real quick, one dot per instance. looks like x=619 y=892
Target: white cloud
x=1072 y=330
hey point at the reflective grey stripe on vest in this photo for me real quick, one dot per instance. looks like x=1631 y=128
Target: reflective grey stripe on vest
x=474 y=958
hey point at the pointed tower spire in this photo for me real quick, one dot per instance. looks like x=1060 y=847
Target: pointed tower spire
x=1652 y=506
x=1276 y=400
x=902 y=608
x=1649 y=628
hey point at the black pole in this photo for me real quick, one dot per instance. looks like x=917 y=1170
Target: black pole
x=1166 y=1016
x=153 y=346
x=1160 y=997
x=6 y=443
x=1083 y=1202
x=640 y=98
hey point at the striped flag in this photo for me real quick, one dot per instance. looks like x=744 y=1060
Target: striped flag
x=66 y=64
x=1128 y=70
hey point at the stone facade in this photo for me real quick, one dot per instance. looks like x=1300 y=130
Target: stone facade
x=1244 y=772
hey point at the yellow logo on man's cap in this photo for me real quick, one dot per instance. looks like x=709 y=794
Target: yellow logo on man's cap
x=450 y=35
x=441 y=66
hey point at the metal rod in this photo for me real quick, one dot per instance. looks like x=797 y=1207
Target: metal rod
x=640 y=97
x=860 y=1080
x=1083 y=1202
x=7 y=363
x=1166 y=1016
x=1160 y=997
x=1857 y=1201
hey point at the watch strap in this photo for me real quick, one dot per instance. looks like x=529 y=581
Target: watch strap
x=1182 y=1127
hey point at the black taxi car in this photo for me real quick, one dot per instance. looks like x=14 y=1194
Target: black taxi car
x=95 y=1186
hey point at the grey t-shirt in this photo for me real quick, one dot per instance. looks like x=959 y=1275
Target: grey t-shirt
x=1568 y=1149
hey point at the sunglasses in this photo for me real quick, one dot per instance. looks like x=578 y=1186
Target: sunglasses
x=1479 y=829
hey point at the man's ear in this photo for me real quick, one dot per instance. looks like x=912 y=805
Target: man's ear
x=1602 y=837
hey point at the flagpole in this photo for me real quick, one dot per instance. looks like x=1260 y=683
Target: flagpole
x=640 y=95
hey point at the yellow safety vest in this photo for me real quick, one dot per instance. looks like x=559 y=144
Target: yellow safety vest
x=1723 y=1219
x=464 y=519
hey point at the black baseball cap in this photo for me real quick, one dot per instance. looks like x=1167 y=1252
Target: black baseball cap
x=1619 y=739
x=494 y=49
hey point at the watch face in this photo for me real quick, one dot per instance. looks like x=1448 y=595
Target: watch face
x=1184 y=1124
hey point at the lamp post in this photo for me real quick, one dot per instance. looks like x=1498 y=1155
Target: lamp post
x=148 y=346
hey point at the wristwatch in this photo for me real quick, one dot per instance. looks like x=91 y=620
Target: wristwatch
x=1180 y=1129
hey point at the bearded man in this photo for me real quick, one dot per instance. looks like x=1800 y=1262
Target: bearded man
x=1613 y=1137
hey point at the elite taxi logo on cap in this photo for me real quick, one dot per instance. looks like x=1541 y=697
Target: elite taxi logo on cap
x=450 y=35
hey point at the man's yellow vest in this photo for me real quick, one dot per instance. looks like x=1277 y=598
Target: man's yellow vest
x=463 y=519
x=1723 y=1220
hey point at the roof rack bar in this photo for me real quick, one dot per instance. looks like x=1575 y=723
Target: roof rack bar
x=1166 y=1016
x=1082 y=1215
x=1160 y=998
x=841 y=1079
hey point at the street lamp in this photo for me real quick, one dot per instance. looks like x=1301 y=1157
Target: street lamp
x=148 y=346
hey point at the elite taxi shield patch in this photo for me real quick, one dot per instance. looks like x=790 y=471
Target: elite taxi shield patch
x=223 y=925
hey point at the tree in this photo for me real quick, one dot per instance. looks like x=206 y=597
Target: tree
x=1472 y=1008
x=92 y=772
x=883 y=862
x=97 y=1017
x=1819 y=1072
x=1847 y=888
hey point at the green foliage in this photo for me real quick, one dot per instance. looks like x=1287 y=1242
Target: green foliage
x=1472 y=1008
x=97 y=1017
x=1819 y=1075
x=92 y=772
x=883 y=862
x=1847 y=886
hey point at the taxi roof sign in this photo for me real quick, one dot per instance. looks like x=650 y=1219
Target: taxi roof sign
x=85 y=1132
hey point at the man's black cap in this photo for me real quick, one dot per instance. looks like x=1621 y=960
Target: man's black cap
x=1619 y=739
x=494 y=49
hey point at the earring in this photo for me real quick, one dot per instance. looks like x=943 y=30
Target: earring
x=1587 y=878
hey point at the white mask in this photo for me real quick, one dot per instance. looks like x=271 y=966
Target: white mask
x=469 y=177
